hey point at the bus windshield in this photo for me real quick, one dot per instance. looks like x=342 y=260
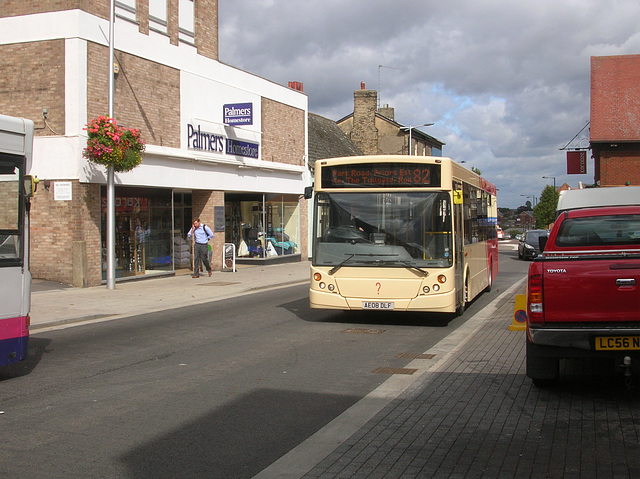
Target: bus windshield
x=404 y=229
x=10 y=211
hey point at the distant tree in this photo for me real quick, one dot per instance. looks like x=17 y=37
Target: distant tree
x=545 y=210
x=476 y=170
x=525 y=207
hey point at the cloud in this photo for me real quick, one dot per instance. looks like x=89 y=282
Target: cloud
x=506 y=83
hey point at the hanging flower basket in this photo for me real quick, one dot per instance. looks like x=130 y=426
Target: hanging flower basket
x=111 y=145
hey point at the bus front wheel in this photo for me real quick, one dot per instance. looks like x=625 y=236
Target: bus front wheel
x=461 y=307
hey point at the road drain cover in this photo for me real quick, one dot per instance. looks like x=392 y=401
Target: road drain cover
x=416 y=356
x=363 y=331
x=394 y=371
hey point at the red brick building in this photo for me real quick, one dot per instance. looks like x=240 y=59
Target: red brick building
x=615 y=119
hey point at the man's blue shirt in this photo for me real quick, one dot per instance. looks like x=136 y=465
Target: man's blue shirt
x=203 y=234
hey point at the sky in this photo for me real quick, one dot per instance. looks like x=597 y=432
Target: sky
x=506 y=83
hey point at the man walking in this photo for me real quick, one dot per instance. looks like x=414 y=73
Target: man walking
x=202 y=235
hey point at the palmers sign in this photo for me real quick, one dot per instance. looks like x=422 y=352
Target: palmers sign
x=238 y=114
x=213 y=143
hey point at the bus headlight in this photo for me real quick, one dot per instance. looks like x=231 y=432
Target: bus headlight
x=331 y=287
x=425 y=289
x=436 y=287
x=322 y=285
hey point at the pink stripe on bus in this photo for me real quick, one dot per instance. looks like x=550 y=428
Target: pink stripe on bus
x=13 y=328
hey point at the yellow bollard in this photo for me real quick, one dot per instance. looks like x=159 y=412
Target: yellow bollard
x=519 y=314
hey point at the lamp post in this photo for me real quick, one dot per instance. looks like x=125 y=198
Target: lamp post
x=410 y=129
x=554 y=181
x=111 y=212
x=532 y=197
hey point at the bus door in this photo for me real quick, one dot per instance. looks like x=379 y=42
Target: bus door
x=458 y=235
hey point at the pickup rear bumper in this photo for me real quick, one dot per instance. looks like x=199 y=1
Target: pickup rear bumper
x=578 y=338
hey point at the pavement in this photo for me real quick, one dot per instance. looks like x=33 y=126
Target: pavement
x=54 y=305
x=466 y=410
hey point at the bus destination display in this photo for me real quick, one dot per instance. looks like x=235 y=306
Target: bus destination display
x=382 y=175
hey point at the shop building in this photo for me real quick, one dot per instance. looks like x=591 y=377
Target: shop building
x=615 y=121
x=222 y=144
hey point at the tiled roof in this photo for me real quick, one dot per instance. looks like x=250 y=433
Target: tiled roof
x=327 y=140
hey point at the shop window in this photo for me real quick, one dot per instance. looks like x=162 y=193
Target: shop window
x=144 y=231
x=263 y=226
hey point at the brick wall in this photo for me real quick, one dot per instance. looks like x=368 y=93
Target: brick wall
x=364 y=132
x=615 y=98
x=618 y=168
x=10 y=204
x=12 y=8
x=283 y=133
x=142 y=16
x=206 y=28
x=202 y=207
x=147 y=95
x=55 y=225
x=32 y=78
x=173 y=20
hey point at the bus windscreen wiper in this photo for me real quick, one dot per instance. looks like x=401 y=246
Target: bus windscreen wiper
x=407 y=265
x=398 y=261
x=337 y=267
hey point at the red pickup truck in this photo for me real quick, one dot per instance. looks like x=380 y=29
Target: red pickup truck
x=583 y=292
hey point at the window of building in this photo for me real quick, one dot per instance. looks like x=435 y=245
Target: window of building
x=262 y=226
x=187 y=21
x=158 y=16
x=144 y=231
x=126 y=9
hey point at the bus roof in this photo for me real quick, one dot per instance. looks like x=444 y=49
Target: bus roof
x=16 y=135
x=604 y=196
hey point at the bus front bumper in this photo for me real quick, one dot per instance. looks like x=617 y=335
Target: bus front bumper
x=436 y=303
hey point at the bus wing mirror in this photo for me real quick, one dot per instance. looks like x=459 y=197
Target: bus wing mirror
x=308 y=192
x=30 y=185
x=457 y=197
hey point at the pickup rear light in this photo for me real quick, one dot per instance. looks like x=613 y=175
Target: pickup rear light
x=535 y=299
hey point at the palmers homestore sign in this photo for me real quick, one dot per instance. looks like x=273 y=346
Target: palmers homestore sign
x=214 y=143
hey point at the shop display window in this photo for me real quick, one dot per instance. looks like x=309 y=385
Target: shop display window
x=262 y=226
x=143 y=231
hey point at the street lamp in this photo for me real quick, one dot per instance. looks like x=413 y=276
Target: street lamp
x=554 y=181
x=410 y=129
x=532 y=197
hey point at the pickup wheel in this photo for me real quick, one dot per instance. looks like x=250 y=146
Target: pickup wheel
x=542 y=369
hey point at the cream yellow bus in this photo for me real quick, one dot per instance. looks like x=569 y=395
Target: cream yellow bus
x=401 y=233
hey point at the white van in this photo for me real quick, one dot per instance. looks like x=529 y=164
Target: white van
x=603 y=196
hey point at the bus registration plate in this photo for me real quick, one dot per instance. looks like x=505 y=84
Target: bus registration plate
x=377 y=305
x=617 y=342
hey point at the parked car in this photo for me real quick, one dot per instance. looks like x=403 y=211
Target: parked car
x=528 y=245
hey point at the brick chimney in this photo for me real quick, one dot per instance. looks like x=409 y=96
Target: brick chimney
x=364 y=132
x=387 y=112
x=296 y=85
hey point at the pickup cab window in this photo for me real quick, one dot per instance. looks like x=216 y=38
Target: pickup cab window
x=618 y=230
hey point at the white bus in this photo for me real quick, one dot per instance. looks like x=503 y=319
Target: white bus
x=16 y=188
